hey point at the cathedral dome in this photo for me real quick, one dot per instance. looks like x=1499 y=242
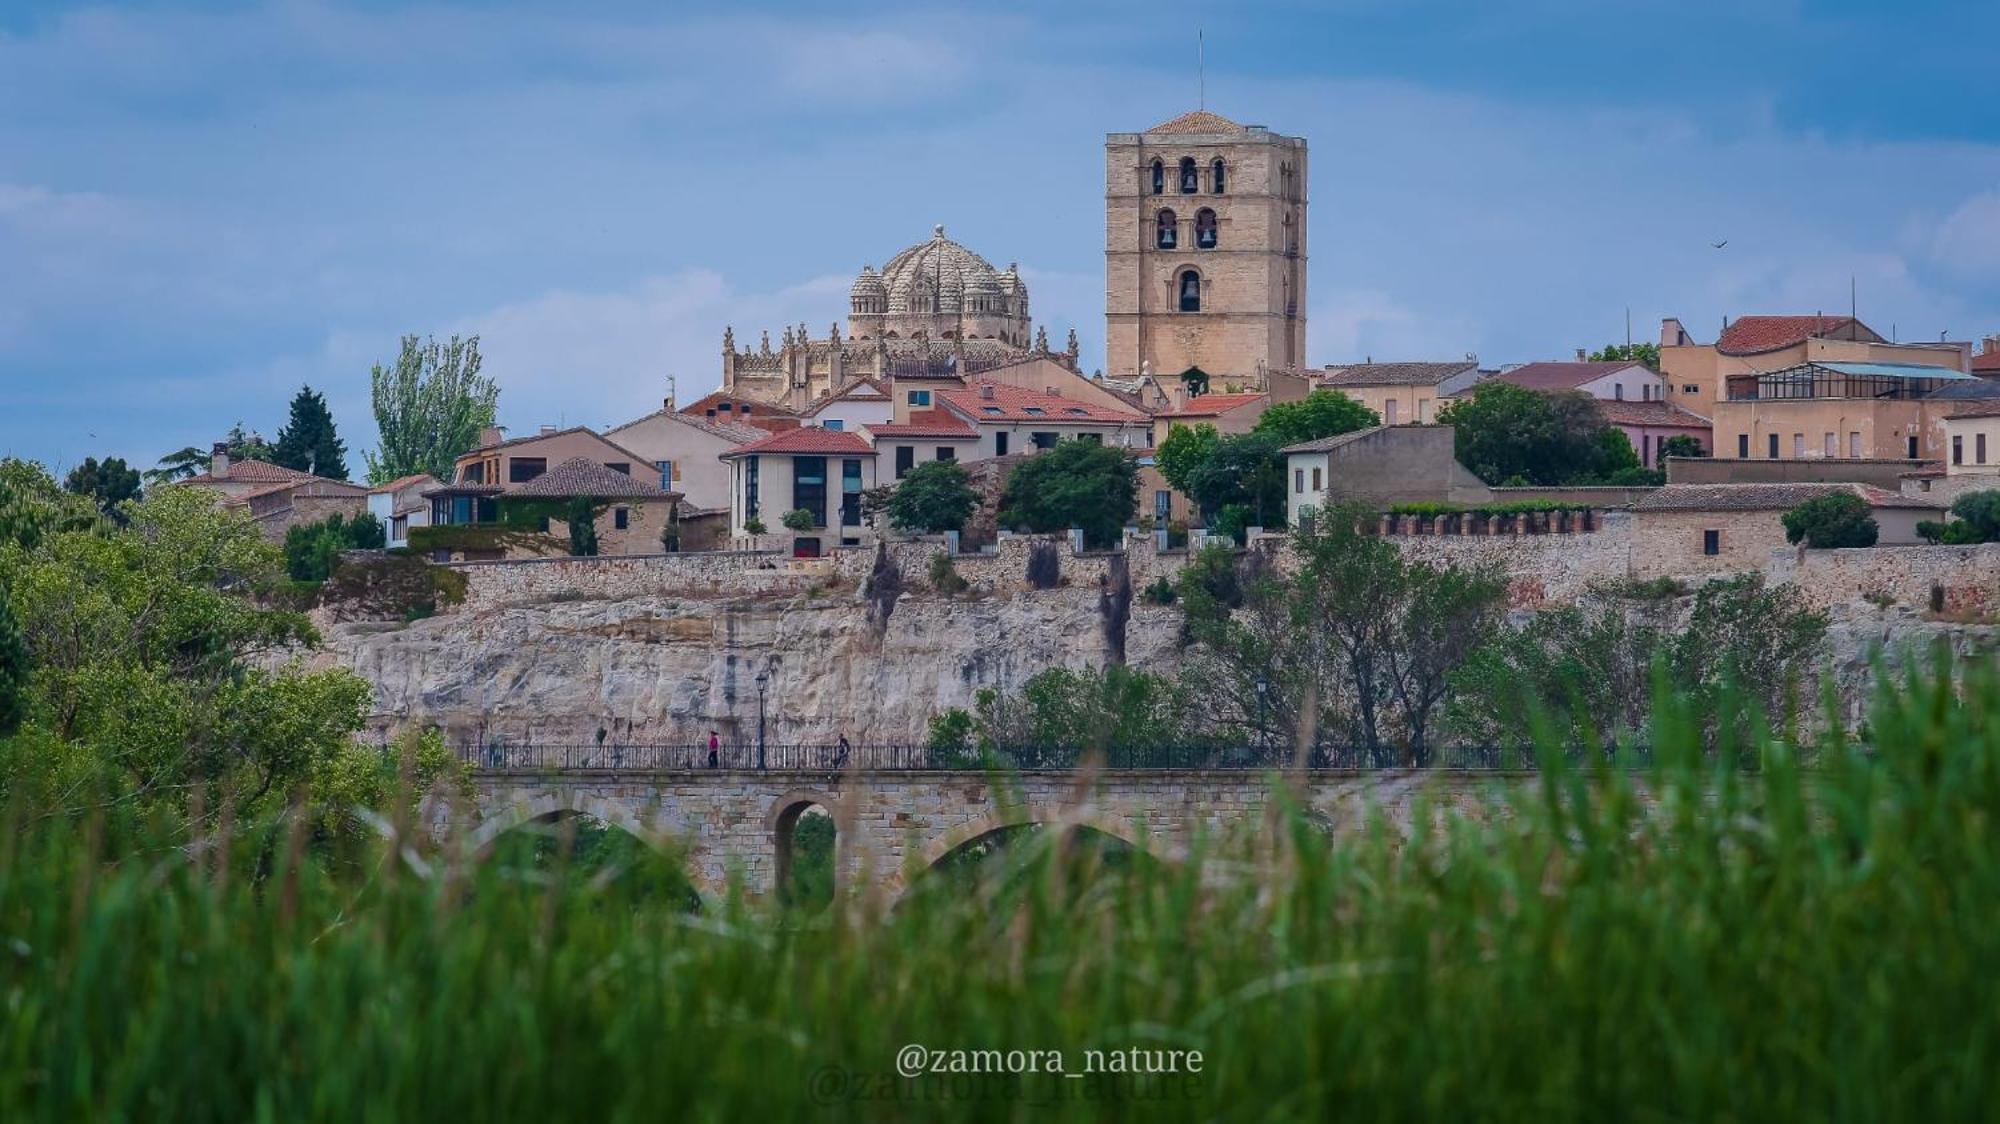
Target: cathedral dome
x=931 y=275
x=869 y=284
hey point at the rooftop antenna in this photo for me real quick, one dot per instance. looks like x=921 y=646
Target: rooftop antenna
x=1628 y=329
x=671 y=395
x=1201 y=68
x=1853 y=308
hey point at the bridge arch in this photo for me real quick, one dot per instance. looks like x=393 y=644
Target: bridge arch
x=782 y=820
x=548 y=807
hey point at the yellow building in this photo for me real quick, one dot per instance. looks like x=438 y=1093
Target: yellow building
x=1697 y=373
x=1972 y=440
x=1403 y=393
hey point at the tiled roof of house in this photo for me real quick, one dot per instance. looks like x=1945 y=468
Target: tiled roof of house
x=251 y=472
x=1197 y=121
x=1213 y=405
x=514 y=442
x=859 y=388
x=934 y=424
x=306 y=486
x=727 y=430
x=1329 y=444
x=807 y=440
x=1657 y=414
x=1961 y=390
x=996 y=402
x=1987 y=362
x=581 y=476
x=1754 y=335
x=1990 y=408
x=1561 y=375
x=1393 y=374
x=762 y=415
x=401 y=483
x=1763 y=497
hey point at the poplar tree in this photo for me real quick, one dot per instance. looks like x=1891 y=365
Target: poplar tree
x=429 y=408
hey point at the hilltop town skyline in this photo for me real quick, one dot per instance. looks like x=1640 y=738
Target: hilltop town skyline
x=600 y=224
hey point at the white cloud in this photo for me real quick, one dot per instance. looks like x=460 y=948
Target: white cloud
x=1969 y=238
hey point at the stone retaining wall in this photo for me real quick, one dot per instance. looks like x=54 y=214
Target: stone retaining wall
x=1966 y=579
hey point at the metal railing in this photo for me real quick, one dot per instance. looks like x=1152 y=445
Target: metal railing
x=796 y=757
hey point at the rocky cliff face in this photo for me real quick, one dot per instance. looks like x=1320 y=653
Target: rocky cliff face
x=669 y=669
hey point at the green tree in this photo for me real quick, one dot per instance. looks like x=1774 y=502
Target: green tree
x=581 y=517
x=935 y=496
x=1505 y=432
x=1323 y=413
x=243 y=445
x=798 y=520
x=108 y=484
x=13 y=670
x=178 y=465
x=308 y=443
x=1243 y=476
x=1837 y=520
x=32 y=507
x=312 y=550
x=155 y=665
x=1186 y=448
x=1978 y=520
x=1647 y=353
x=429 y=408
x=1076 y=484
x=1060 y=712
x=1682 y=445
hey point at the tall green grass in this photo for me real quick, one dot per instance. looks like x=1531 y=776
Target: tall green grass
x=1698 y=942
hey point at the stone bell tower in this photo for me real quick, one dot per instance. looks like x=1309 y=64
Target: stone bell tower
x=1204 y=250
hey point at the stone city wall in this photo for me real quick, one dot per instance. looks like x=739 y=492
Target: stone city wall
x=1540 y=568
x=1957 y=581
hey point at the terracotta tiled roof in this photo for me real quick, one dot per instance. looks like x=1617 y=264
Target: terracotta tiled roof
x=997 y=402
x=807 y=440
x=935 y=424
x=515 y=442
x=1197 y=121
x=581 y=476
x=762 y=415
x=1561 y=375
x=402 y=483
x=1987 y=362
x=727 y=430
x=1656 y=414
x=1989 y=408
x=1393 y=374
x=1763 y=497
x=1213 y=405
x=1754 y=335
x=251 y=472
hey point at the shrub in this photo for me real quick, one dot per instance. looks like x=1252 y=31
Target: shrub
x=798 y=519
x=945 y=577
x=753 y=526
x=1826 y=522
x=313 y=549
x=1161 y=591
x=581 y=517
x=1978 y=521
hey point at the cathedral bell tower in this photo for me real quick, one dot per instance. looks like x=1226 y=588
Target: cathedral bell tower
x=1204 y=250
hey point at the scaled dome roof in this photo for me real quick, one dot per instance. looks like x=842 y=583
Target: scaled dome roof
x=915 y=276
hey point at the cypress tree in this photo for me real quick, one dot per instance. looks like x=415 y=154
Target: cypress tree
x=308 y=442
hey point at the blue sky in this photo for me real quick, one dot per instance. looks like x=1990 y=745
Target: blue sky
x=204 y=205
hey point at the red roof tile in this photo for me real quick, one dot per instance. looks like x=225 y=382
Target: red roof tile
x=1561 y=375
x=1212 y=405
x=810 y=441
x=251 y=472
x=1986 y=362
x=1754 y=335
x=763 y=415
x=400 y=484
x=1656 y=414
x=936 y=424
x=996 y=402
x=1197 y=121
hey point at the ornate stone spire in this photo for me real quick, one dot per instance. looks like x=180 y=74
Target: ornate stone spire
x=1071 y=348
x=1041 y=340
x=728 y=340
x=764 y=345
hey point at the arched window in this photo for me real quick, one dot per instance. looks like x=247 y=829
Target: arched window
x=1190 y=291
x=1217 y=178
x=1189 y=182
x=1167 y=230
x=1159 y=177
x=1204 y=229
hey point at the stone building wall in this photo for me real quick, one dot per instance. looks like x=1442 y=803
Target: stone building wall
x=1668 y=544
x=1540 y=568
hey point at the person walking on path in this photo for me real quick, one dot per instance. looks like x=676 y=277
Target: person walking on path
x=840 y=756
x=714 y=758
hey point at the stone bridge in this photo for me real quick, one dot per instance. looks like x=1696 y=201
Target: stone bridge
x=891 y=825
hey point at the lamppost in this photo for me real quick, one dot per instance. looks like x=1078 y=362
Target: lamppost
x=763 y=680
x=1263 y=686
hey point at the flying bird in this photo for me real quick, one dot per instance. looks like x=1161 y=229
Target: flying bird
x=1721 y=244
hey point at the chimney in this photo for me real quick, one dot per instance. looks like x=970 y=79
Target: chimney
x=547 y=429
x=492 y=435
x=1672 y=334
x=218 y=459
x=1052 y=392
x=1582 y=355
x=1990 y=346
x=986 y=390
